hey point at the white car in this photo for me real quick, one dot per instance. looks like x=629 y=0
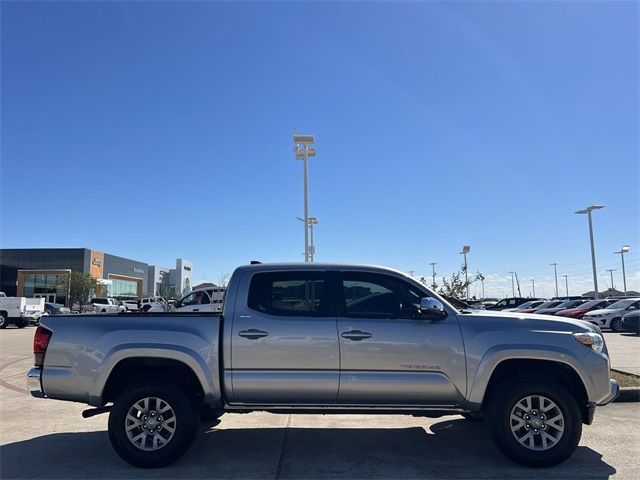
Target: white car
x=107 y=305
x=611 y=317
x=155 y=303
x=201 y=300
x=130 y=305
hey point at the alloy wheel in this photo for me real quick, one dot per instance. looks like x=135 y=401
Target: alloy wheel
x=536 y=422
x=150 y=423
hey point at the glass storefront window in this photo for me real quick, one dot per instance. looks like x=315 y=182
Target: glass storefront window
x=54 y=286
x=122 y=288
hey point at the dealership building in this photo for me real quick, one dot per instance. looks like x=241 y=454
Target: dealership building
x=44 y=272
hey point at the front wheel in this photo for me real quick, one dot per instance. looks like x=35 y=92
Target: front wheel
x=535 y=423
x=152 y=425
x=3 y=321
x=616 y=325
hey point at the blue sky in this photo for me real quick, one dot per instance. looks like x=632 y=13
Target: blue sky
x=163 y=130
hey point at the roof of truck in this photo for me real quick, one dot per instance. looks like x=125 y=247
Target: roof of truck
x=318 y=266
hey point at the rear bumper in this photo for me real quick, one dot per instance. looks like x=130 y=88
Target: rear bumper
x=614 y=390
x=34 y=383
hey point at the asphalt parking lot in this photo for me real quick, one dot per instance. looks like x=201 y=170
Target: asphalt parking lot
x=50 y=439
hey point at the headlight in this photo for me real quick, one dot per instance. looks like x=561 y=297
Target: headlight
x=590 y=339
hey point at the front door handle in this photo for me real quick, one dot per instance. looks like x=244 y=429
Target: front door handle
x=355 y=335
x=252 y=334
x=196 y=310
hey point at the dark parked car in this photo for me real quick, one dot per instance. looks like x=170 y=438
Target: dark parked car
x=562 y=306
x=545 y=305
x=512 y=302
x=580 y=311
x=631 y=322
x=56 y=309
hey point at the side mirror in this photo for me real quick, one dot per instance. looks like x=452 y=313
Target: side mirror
x=432 y=309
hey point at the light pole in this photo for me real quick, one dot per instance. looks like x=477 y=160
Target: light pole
x=513 y=285
x=433 y=275
x=302 y=152
x=611 y=270
x=555 y=271
x=533 y=284
x=312 y=248
x=566 y=283
x=482 y=282
x=465 y=250
x=623 y=250
x=587 y=211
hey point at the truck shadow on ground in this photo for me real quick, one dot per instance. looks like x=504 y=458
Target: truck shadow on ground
x=450 y=449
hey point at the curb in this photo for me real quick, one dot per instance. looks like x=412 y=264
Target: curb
x=628 y=394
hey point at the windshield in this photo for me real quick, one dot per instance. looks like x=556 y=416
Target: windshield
x=547 y=305
x=591 y=304
x=526 y=305
x=622 y=304
x=570 y=304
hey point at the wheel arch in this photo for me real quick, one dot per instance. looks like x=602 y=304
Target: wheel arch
x=168 y=364
x=525 y=359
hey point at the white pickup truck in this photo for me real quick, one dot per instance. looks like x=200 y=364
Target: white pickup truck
x=20 y=311
x=107 y=305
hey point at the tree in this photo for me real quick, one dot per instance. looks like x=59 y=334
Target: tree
x=82 y=287
x=456 y=286
x=223 y=280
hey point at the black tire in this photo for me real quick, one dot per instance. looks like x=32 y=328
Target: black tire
x=499 y=412
x=4 y=322
x=146 y=308
x=22 y=323
x=616 y=325
x=186 y=425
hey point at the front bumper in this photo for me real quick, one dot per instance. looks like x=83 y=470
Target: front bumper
x=614 y=392
x=34 y=383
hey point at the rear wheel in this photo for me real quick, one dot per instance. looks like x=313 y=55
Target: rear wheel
x=535 y=423
x=616 y=325
x=152 y=425
x=3 y=320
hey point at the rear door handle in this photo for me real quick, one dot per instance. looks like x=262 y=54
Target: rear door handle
x=355 y=335
x=196 y=310
x=252 y=334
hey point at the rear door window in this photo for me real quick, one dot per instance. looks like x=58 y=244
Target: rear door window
x=290 y=294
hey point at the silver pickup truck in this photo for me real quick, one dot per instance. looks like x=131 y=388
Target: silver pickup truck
x=319 y=338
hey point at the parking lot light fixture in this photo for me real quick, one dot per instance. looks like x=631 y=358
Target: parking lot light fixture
x=555 y=271
x=624 y=249
x=513 y=285
x=587 y=211
x=533 y=285
x=302 y=152
x=611 y=270
x=566 y=283
x=433 y=275
x=466 y=249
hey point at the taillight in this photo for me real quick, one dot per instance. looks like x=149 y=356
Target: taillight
x=40 y=344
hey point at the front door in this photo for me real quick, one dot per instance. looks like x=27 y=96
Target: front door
x=391 y=356
x=48 y=297
x=284 y=345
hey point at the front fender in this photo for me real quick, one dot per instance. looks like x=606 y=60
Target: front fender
x=499 y=353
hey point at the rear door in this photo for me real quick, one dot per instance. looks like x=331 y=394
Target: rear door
x=284 y=345
x=389 y=354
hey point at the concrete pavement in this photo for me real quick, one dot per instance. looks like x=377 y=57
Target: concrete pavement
x=49 y=439
x=624 y=351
